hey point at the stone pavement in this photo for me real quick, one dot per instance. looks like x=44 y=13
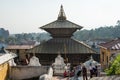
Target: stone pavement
x=94 y=78
x=61 y=78
x=107 y=78
x=58 y=78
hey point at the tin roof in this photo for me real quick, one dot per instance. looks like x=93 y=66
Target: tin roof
x=62 y=45
x=19 y=46
x=61 y=24
x=113 y=44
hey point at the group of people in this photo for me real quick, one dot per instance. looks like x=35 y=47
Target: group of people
x=81 y=70
x=93 y=70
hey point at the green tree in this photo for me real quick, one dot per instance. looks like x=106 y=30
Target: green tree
x=114 y=69
x=11 y=40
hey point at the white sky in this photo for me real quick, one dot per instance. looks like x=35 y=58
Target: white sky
x=26 y=16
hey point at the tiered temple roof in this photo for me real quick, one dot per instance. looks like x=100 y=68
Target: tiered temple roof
x=61 y=30
x=61 y=27
x=64 y=45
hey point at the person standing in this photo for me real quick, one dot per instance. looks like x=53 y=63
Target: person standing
x=91 y=70
x=96 y=70
x=99 y=70
x=77 y=73
x=84 y=72
x=79 y=68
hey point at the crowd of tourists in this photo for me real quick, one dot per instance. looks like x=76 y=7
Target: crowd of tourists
x=81 y=71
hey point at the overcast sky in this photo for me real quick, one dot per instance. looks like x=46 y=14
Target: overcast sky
x=27 y=16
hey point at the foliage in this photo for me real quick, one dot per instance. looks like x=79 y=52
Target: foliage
x=114 y=68
x=25 y=38
x=4 y=34
x=106 y=32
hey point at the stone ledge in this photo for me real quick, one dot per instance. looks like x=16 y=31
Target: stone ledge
x=115 y=77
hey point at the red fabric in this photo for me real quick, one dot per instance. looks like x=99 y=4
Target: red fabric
x=65 y=73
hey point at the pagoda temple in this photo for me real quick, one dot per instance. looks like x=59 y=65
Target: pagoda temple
x=72 y=50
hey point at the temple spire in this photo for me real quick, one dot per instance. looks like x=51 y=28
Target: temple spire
x=61 y=15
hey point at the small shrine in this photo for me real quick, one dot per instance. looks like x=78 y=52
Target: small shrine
x=92 y=62
x=59 y=65
x=34 y=61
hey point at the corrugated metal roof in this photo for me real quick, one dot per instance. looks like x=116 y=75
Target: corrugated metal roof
x=19 y=46
x=62 y=45
x=113 y=44
x=61 y=24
